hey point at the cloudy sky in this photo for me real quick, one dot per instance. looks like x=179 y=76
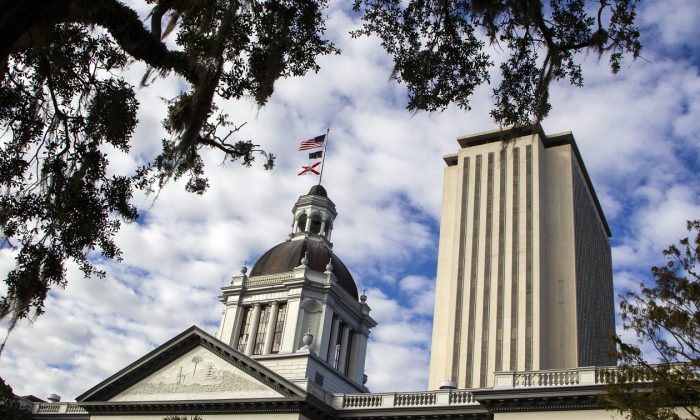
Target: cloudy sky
x=636 y=131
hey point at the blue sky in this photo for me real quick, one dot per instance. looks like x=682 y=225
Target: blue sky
x=637 y=132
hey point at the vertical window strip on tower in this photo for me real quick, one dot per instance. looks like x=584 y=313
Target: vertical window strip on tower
x=262 y=330
x=528 y=258
x=457 y=342
x=501 y=260
x=486 y=318
x=245 y=328
x=474 y=272
x=515 y=267
x=279 y=328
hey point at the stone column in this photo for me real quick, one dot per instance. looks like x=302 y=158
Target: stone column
x=271 y=323
x=250 y=345
x=323 y=228
x=344 y=348
x=322 y=342
x=290 y=325
x=331 y=343
x=357 y=360
x=237 y=322
x=231 y=325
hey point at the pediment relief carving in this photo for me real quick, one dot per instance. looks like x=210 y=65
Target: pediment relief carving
x=198 y=374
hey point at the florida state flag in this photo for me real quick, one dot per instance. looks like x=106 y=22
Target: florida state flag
x=310 y=169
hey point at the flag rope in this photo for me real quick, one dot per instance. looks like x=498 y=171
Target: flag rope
x=323 y=158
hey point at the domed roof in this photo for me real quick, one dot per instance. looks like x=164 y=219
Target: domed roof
x=287 y=255
x=318 y=190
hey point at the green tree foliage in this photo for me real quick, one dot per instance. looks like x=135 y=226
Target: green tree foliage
x=666 y=319
x=64 y=105
x=439 y=48
x=10 y=407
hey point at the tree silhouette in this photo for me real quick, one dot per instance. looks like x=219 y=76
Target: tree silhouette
x=666 y=316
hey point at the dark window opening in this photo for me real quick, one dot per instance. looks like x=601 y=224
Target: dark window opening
x=315 y=227
x=245 y=329
x=279 y=328
x=301 y=223
x=262 y=330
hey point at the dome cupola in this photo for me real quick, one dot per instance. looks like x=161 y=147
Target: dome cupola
x=314 y=214
x=299 y=306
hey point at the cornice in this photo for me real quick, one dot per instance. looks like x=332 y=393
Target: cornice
x=423 y=413
x=174 y=348
x=238 y=406
x=540 y=399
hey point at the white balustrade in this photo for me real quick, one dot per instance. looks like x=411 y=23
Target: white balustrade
x=404 y=399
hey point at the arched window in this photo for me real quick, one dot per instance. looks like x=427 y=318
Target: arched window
x=301 y=222
x=315 y=223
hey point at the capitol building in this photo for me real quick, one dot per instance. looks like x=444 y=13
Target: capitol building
x=523 y=311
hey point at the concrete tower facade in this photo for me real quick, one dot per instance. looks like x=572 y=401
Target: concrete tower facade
x=524 y=278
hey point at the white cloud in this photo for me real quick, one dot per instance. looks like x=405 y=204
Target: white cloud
x=674 y=22
x=399 y=343
x=637 y=133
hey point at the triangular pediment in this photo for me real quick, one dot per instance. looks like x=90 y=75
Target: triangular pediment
x=192 y=366
x=197 y=374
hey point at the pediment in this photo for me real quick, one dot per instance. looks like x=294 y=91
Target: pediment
x=197 y=374
x=192 y=366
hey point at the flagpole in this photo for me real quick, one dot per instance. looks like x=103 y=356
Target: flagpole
x=323 y=158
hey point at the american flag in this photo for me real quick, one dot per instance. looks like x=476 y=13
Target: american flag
x=312 y=143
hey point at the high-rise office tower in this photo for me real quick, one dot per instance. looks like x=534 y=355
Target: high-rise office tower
x=524 y=279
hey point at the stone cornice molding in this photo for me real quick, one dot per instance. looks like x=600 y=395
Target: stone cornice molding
x=540 y=399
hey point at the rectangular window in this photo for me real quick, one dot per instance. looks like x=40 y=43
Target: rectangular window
x=279 y=328
x=515 y=264
x=528 y=257
x=471 y=326
x=457 y=342
x=262 y=330
x=486 y=310
x=501 y=260
x=245 y=329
